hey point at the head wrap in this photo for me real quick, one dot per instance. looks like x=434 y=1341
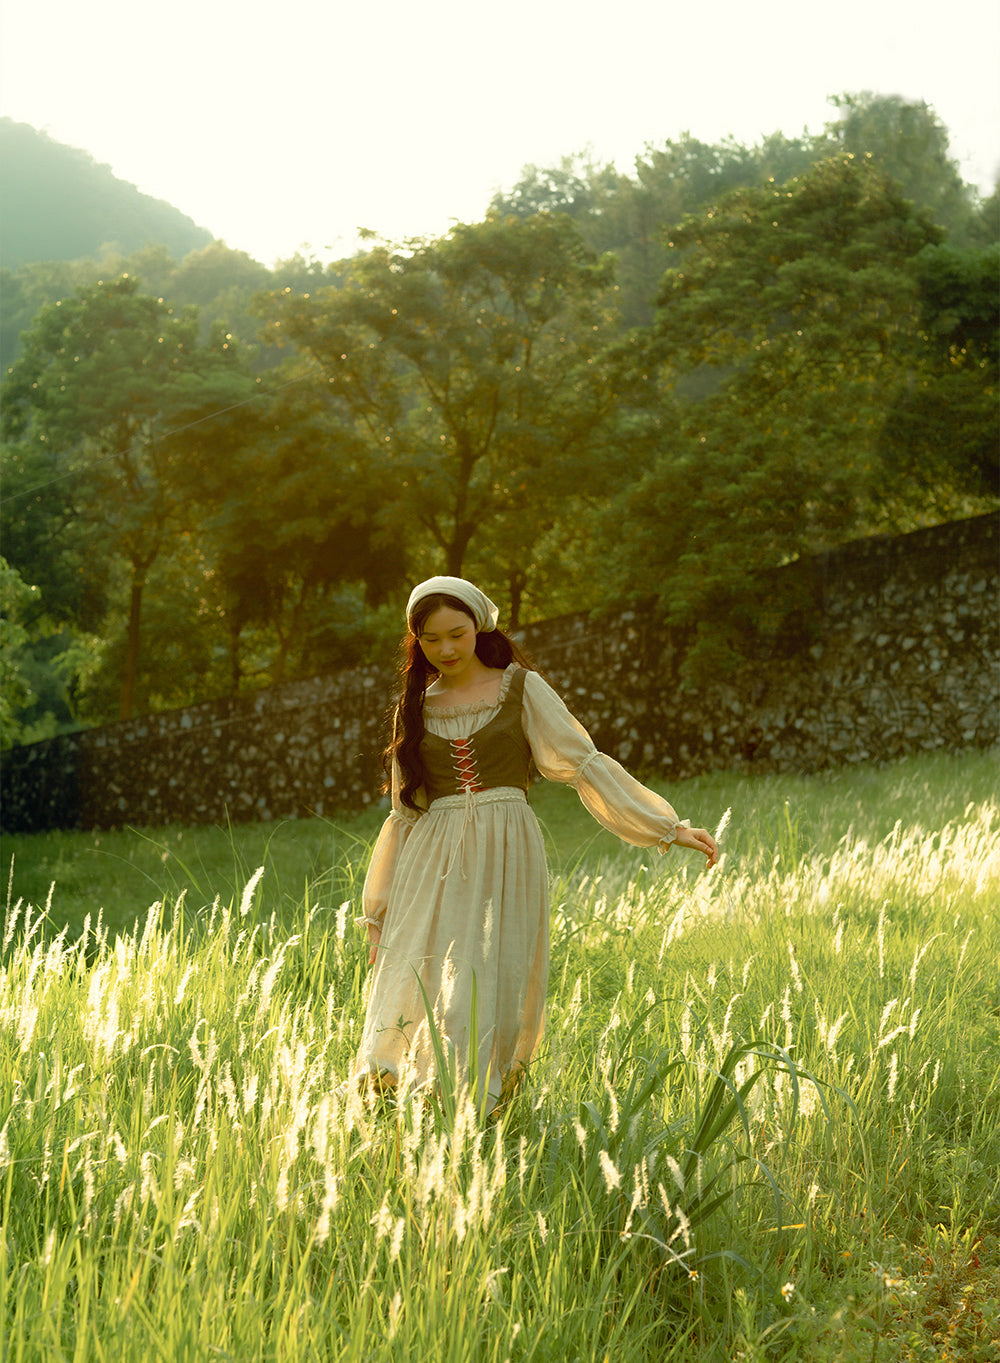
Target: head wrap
x=481 y=608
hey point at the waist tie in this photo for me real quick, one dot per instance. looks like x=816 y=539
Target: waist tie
x=468 y=803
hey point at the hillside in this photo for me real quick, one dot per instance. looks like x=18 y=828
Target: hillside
x=58 y=203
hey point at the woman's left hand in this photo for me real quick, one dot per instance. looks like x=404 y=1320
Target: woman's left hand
x=699 y=840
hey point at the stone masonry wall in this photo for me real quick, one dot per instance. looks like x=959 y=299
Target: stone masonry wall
x=898 y=653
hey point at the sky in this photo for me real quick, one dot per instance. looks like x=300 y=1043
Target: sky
x=289 y=126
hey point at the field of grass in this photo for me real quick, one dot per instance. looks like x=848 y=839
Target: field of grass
x=764 y=1123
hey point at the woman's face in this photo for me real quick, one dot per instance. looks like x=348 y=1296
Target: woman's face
x=448 y=640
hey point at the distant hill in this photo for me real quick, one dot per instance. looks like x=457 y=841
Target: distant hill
x=58 y=203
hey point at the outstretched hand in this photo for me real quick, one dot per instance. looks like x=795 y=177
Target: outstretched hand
x=699 y=840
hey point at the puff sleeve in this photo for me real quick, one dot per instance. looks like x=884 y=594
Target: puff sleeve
x=565 y=752
x=385 y=854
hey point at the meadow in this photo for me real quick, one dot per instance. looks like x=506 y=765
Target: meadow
x=764 y=1123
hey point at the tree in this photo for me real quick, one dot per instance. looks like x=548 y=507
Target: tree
x=477 y=369
x=940 y=433
x=97 y=406
x=293 y=521
x=628 y=216
x=796 y=304
x=906 y=141
x=15 y=595
x=577 y=187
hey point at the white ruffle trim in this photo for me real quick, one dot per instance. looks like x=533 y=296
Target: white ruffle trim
x=474 y=707
x=664 y=843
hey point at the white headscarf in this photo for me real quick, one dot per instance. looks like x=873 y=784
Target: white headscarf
x=481 y=608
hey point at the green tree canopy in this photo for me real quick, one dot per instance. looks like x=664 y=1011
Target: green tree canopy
x=15 y=596
x=477 y=369
x=940 y=434
x=734 y=354
x=294 y=523
x=628 y=216
x=908 y=143
x=96 y=410
x=795 y=305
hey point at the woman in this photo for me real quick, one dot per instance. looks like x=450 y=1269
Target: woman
x=456 y=896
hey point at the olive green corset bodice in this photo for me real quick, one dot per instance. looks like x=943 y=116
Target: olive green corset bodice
x=498 y=754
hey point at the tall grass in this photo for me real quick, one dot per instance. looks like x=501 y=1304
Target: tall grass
x=764 y=1123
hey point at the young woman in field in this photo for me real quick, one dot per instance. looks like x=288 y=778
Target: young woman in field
x=456 y=895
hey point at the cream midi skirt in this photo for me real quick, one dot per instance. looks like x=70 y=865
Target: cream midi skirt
x=467 y=919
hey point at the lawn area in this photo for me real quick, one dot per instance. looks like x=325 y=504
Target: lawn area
x=764 y=1123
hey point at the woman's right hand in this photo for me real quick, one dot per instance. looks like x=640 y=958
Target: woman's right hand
x=374 y=937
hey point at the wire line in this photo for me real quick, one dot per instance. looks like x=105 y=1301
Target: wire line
x=164 y=435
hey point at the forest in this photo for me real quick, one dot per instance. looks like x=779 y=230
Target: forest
x=649 y=388
x=58 y=203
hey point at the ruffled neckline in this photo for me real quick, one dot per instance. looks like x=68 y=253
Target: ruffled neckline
x=473 y=707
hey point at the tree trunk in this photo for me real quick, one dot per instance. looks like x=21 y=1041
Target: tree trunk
x=456 y=548
x=516 y=585
x=235 y=666
x=131 y=671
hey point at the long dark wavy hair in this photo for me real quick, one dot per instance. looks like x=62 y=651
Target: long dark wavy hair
x=406 y=717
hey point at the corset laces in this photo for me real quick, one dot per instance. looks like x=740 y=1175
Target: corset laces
x=471 y=791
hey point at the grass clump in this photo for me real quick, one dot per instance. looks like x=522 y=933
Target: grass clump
x=763 y=1123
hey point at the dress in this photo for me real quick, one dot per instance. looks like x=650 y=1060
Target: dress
x=461 y=889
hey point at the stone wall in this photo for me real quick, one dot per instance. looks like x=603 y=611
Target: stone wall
x=897 y=652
